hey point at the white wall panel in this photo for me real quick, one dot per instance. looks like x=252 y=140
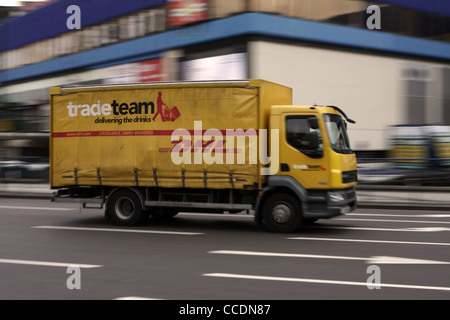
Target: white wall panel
x=369 y=88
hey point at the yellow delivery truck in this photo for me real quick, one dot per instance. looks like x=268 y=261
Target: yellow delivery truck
x=219 y=146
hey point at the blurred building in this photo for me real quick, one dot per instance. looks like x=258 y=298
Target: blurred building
x=323 y=49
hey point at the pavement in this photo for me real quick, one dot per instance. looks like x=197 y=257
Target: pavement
x=38 y=190
x=368 y=196
x=404 y=197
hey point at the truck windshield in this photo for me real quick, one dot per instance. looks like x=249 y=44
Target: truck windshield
x=337 y=133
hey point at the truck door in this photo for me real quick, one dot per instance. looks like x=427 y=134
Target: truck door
x=302 y=152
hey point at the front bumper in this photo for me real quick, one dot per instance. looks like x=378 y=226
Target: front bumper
x=325 y=204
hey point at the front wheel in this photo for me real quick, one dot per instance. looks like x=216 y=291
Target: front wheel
x=282 y=213
x=124 y=208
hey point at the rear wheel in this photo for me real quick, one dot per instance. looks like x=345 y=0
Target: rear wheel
x=124 y=208
x=282 y=213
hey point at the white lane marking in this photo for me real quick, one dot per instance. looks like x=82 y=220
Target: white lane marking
x=431 y=229
x=37 y=208
x=248 y=216
x=372 y=241
x=370 y=260
x=118 y=230
x=321 y=281
x=404 y=221
x=384 y=229
x=49 y=264
x=289 y=255
x=251 y=216
x=135 y=299
x=398 y=260
x=399 y=215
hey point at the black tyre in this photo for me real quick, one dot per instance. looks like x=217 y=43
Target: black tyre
x=309 y=221
x=125 y=209
x=282 y=213
x=163 y=213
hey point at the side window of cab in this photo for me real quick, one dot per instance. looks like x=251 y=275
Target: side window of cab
x=303 y=134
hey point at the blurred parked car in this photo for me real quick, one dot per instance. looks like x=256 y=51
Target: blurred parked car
x=16 y=170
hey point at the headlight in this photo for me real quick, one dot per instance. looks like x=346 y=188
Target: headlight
x=336 y=196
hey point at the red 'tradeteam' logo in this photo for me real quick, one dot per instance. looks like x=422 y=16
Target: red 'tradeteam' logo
x=164 y=111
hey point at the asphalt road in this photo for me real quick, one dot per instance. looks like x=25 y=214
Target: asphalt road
x=220 y=257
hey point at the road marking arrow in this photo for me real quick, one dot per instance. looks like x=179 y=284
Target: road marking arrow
x=370 y=260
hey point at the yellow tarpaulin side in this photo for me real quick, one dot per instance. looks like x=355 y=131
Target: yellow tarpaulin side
x=123 y=136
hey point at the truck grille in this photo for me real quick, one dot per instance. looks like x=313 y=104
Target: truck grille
x=349 y=176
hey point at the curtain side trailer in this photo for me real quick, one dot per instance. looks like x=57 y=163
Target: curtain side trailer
x=219 y=146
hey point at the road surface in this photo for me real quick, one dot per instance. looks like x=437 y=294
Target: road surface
x=406 y=254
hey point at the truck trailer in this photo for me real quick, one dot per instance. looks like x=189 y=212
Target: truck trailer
x=141 y=150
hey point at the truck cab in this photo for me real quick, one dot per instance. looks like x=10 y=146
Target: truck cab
x=317 y=174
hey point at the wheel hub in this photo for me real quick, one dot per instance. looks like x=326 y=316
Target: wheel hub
x=124 y=208
x=281 y=213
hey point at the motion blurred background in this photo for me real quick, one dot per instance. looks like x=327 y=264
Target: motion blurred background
x=395 y=81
